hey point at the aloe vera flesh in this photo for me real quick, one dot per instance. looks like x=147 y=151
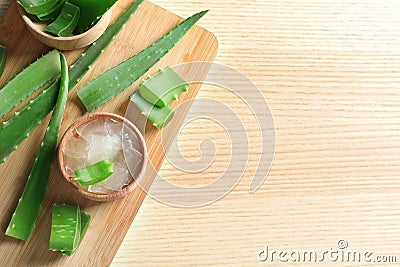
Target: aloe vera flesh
x=53 y=12
x=29 y=80
x=65 y=228
x=159 y=117
x=3 y=58
x=91 y=12
x=36 y=7
x=106 y=86
x=30 y=204
x=163 y=88
x=66 y=21
x=95 y=173
x=85 y=220
x=15 y=130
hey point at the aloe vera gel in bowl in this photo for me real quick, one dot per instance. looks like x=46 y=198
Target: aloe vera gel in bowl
x=99 y=140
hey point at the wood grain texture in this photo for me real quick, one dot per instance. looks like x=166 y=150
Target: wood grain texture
x=110 y=221
x=330 y=71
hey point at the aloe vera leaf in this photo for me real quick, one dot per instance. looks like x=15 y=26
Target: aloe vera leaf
x=28 y=81
x=95 y=173
x=106 y=86
x=65 y=228
x=161 y=89
x=53 y=12
x=91 y=11
x=85 y=220
x=66 y=22
x=30 y=204
x=3 y=58
x=35 y=7
x=14 y=131
x=159 y=117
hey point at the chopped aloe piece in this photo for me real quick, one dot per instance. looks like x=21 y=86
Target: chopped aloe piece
x=36 y=7
x=3 y=58
x=15 y=130
x=30 y=204
x=65 y=228
x=109 y=84
x=95 y=173
x=91 y=12
x=159 y=117
x=29 y=80
x=85 y=220
x=163 y=88
x=66 y=22
x=53 y=12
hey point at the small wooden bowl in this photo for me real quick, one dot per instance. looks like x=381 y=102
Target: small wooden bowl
x=37 y=27
x=117 y=194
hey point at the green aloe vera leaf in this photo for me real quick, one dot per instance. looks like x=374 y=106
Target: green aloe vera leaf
x=3 y=58
x=30 y=204
x=65 y=228
x=159 y=117
x=85 y=220
x=163 y=88
x=106 y=86
x=36 y=7
x=95 y=173
x=29 y=80
x=53 y=12
x=15 y=130
x=66 y=22
x=91 y=12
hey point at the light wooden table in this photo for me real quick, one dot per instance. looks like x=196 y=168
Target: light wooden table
x=330 y=71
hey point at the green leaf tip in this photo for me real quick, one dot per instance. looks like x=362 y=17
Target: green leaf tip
x=95 y=173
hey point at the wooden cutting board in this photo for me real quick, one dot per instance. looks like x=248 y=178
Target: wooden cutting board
x=110 y=221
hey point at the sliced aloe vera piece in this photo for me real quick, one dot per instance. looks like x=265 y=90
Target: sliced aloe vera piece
x=85 y=220
x=53 y=12
x=29 y=80
x=3 y=58
x=36 y=7
x=65 y=228
x=95 y=173
x=161 y=89
x=106 y=86
x=159 y=117
x=91 y=11
x=66 y=22
x=14 y=131
x=30 y=204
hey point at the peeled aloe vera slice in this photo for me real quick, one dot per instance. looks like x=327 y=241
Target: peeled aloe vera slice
x=53 y=12
x=66 y=22
x=3 y=58
x=14 y=131
x=95 y=173
x=159 y=117
x=161 y=89
x=91 y=11
x=36 y=7
x=106 y=86
x=65 y=228
x=85 y=220
x=30 y=204
x=29 y=80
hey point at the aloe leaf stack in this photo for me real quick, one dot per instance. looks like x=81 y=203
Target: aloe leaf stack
x=28 y=81
x=66 y=21
x=30 y=204
x=15 y=130
x=106 y=86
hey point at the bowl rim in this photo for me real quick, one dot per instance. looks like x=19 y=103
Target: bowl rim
x=117 y=194
x=31 y=25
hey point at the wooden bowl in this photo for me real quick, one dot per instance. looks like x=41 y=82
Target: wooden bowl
x=81 y=189
x=36 y=27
